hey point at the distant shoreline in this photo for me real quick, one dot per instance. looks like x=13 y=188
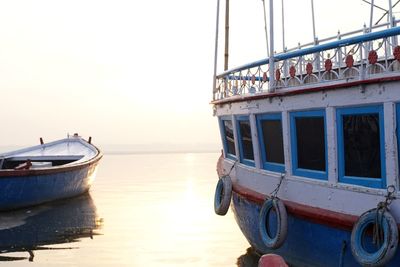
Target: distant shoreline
x=141 y=149
x=159 y=152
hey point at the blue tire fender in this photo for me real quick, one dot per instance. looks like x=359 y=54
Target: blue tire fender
x=223 y=194
x=389 y=243
x=270 y=241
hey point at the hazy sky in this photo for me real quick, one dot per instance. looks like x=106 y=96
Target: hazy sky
x=133 y=72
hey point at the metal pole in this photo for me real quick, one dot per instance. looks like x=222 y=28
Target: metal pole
x=226 y=35
x=265 y=27
x=390 y=14
x=271 y=48
x=283 y=28
x=216 y=52
x=371 y=15
x=313 y=21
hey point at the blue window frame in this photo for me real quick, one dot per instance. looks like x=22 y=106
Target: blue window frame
x=227 y=136
x=361 y=146
x=245 y=140
x=308 y=141
x=270 y=138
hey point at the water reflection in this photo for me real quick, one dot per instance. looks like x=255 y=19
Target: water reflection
x=37 y=228
x=250 y=259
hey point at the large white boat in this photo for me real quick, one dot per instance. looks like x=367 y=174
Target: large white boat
x=310 y=164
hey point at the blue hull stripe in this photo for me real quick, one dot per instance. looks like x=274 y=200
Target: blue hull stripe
x=16 y=192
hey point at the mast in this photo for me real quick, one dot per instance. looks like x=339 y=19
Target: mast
x=313 y=22
x=390 y=14
x=226 y=35
x=283 y=28
x=271 y=48
x=371 y=15
x=216 y=51
x=265 y=27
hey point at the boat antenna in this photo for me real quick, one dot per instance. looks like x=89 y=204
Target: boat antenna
x=216 y=51
x=226 y=34
x=313 y=21
x=265 y=27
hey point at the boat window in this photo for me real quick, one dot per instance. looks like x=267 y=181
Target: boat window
x=308 y=136
x=245 y=141
x=228 y=137
x=271 y=141
x=361 y=145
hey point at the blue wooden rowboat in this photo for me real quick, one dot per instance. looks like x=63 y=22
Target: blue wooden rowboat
x=47 y=172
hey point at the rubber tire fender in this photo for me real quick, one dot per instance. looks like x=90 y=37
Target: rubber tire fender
x=276 y=241
x=223 y=194
x=390 y=240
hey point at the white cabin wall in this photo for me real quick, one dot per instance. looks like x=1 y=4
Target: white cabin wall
x=256 y=145
x=286 y=143
x=331 y=138
x=391 y=144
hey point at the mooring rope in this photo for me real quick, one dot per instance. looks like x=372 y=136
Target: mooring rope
x=275 y=192
x=382 y=207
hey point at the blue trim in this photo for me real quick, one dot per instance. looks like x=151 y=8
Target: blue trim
x=223 y=137
x=248 y=162
x=322 y=175
x=318 y=48
x=363 y=181
x=271 y=166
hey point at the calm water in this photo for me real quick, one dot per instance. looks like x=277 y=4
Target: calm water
x=143 y=210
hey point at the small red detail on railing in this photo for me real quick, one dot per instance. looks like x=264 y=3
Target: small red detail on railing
x=253 y=79
x=292 y=71
x=265 y=77
x=277 y=74
x=328 y=65
x=309 y=68
x=396 y=53
x=372 y=57
x=349 y=61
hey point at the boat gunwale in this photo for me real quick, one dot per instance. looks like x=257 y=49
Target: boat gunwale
x=308 y=89
x=11 y=173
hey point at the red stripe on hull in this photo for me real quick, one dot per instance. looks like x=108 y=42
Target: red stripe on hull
x=316 y=215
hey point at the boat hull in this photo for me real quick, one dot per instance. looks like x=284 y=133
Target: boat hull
x=307 y=244
x=40 y=187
